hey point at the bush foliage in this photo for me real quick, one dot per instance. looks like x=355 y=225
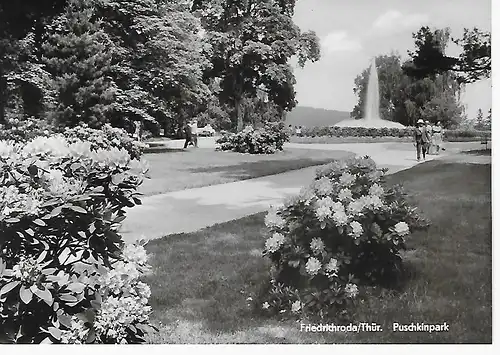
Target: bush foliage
x=66 y=275
x=265 y=140
x=343 y=231
x=332 y=131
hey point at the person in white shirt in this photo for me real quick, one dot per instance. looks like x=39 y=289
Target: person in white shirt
x=194 y=131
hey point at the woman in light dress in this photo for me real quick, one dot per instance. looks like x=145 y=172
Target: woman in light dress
x=437 y=138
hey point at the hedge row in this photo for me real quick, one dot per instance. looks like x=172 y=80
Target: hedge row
x=333 y=131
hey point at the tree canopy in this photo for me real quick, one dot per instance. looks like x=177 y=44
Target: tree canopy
x=251 y=45
x=430 y=59
x=160 y=62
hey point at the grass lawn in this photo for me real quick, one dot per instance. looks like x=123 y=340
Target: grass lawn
x=200 y=281
x=175 y=171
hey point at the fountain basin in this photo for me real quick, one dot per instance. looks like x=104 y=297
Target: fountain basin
x=367 y=123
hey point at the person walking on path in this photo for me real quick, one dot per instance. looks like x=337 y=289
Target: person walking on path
x=187 y=134
x=422 y=139
x=437 y=138
x=194 y=132
x=428 y=128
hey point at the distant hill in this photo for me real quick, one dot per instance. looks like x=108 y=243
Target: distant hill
x=310 y=117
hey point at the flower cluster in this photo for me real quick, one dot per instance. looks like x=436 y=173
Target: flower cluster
x=77 y=332
x=346 y=228
x=274 y=242
x=27 y=271
x=106 y=138
x=117 y=315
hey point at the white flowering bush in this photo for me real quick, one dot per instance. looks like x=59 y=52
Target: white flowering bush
x=24 y=129
x=66 y=275
x=266 y=140
x=344 y=230
x=105 y=138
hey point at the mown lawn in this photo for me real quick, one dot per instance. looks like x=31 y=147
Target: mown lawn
x=201 y=281
x=174 y=171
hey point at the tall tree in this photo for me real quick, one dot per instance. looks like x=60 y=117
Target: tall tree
x=78 y=56
x=17 y=20
x=158 y=68
x=429 y=58
x=252 y=42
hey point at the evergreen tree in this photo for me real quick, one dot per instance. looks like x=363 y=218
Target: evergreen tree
x=78 y=56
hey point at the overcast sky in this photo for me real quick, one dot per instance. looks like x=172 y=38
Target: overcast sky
x=352 y=32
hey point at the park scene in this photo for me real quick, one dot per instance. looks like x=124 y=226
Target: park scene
x=244 y=172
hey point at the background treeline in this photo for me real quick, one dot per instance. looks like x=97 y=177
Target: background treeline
x=429 y=84
x=66 y=62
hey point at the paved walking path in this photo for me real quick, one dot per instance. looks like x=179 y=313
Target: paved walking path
x=193 y=209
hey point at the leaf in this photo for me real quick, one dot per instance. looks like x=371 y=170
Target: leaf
x=119 y=219
x=78 y=209
x=30 y=231
x=39 y=222
x=56 y=333
x=3 y=266
x=33 y=170
x=64 y=319
x=9 y=287
x=90 y=337
x=76 y=287
x=41 y=257
x=25 y=294
x=49 y=271
x=56 y=211
x=45 y=295
x=13 y=220
x=66 y=297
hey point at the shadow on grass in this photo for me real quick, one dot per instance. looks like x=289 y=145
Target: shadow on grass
x=481 y=152
x=203 y=279
x=247 y=170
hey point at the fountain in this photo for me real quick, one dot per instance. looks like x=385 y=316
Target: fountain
x=371 y=117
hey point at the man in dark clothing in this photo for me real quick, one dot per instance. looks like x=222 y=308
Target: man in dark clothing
x=187 y=135
x=422 y=139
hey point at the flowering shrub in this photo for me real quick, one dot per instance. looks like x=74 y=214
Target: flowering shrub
x=347 y=228
x=65 y=274
x=22 y=130
x=266 y=140
x=105 y=138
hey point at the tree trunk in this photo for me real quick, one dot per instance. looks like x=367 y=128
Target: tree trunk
x=3 y=93
x=238 y=115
